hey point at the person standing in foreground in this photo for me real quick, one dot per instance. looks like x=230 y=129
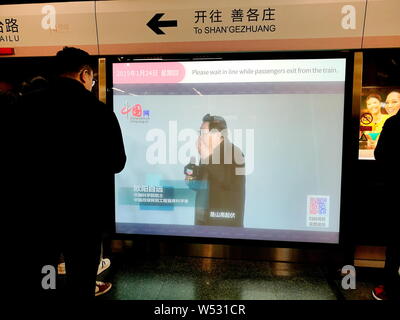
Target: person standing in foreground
x=386 y=154
x=74 y=147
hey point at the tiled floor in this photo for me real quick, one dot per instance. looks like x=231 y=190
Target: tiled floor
x=188 y=278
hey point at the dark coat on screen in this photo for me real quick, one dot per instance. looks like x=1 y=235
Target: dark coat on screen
x=220 y=199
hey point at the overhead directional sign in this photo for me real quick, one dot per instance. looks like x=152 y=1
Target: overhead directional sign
x=155 y=24
x=173 y=26
x=178 y=26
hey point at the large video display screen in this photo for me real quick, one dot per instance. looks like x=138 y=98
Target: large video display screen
x=231 y=149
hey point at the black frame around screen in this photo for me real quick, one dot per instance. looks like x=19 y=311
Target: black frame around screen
x=349 y=152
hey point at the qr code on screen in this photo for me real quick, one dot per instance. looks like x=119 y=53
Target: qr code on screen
x=318 y=211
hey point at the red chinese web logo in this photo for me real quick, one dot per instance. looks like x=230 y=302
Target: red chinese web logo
x=136 y=110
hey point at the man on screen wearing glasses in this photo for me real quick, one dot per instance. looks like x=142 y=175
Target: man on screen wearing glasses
x=219 y=180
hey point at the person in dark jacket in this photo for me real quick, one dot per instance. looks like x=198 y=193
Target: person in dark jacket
x=220 y=179
x=73 y=147
x=386 y=154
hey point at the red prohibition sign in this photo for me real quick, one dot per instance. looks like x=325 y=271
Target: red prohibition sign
x=366 y=118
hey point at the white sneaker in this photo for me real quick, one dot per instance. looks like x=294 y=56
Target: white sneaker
x=103 y=265
x=102 y=288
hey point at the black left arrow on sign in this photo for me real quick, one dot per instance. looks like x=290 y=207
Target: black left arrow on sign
x=155 y=24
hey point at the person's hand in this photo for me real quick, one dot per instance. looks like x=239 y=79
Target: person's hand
x=204 y=147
